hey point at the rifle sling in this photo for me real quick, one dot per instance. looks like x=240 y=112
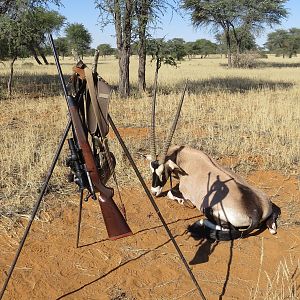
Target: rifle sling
x=97 y=112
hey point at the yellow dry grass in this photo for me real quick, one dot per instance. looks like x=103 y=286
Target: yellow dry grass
x=248 y=118
x=251 y=116
x=281 y=284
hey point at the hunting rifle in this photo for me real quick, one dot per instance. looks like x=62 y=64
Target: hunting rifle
x=84 y=165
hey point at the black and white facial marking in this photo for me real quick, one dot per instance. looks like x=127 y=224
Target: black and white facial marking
x=159 y=177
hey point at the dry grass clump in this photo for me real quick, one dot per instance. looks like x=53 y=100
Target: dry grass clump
x=29 y=135
x=252 y=116
x=282 y=284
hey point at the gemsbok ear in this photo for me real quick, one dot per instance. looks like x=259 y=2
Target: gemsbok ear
x=146 y=156
x=171 y=165
x=174 y=168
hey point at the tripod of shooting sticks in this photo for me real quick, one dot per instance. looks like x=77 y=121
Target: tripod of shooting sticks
x=49 y=174
x=138 y=174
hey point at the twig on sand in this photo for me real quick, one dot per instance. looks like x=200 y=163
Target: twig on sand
x=185 y=294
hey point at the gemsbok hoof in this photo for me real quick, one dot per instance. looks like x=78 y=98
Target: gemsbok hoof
x=172 y=197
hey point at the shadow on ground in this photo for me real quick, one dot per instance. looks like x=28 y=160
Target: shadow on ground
x=265 y=64
x=33 y=85
x=49 y=85
x=232 y=85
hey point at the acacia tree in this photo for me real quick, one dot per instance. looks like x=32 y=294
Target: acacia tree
x=284 y=42
x=105 y=49
x=62 y=46
x=217 y=13
x=147 y=12
x=161 y=52
x=247 y=15
x=203 y=47
x=41 y=21
x=176 y=48
x=79 y=39
x=246 y=41
x=14 y=7
x=120 y=13
x=254 y=16
x=132 y=19
x=294 y=41
x=23 y=32
x=12 y=35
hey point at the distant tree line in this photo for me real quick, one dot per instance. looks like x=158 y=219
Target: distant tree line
x=235 y=20
x=24 y=24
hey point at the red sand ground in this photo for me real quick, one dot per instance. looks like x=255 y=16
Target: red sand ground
x=146 y=265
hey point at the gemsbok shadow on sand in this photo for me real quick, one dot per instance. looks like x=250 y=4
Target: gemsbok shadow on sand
x=216 y=192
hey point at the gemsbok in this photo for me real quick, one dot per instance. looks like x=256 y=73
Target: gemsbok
x=232 y=207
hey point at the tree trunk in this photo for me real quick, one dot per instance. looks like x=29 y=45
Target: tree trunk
x=95 y=61
x=10 y=79
x=142 y=66
x=35 y=56
x=44 y=58
x=42 y=54
x=123 y=33
x=229 y=54
x=238 y=41
x=124 y=60
x=75 y=55
x=142 y=12
x=238 y=47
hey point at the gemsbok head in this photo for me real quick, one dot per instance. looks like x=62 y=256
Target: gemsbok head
x=232 y=207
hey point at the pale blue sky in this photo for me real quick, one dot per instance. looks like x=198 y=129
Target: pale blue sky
x=83 y=11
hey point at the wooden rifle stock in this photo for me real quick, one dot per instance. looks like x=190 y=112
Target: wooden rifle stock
x=115 y=223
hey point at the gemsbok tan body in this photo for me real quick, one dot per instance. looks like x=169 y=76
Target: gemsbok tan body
x=232 y=207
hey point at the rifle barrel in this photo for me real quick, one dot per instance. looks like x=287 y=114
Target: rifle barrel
x=60 y=73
